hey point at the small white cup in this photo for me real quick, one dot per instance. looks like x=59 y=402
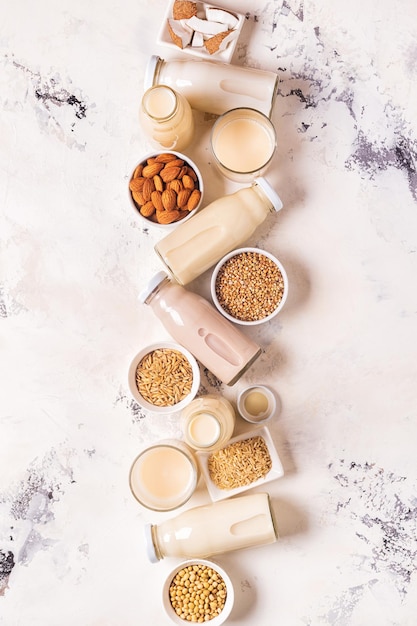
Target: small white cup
x=256 y=404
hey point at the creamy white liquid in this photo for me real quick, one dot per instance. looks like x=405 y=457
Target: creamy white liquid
x=256 y=403
x=231 y=524
x=162 y=477
x=160 y=102
x=204 y=429
x=243 y=145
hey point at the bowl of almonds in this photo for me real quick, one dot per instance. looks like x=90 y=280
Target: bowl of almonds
x=249 y=286
x=164 y=377
x=198 y=591
x=165 y=189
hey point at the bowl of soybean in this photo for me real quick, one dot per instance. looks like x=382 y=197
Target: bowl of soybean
x=198 y=591
x=249 y=286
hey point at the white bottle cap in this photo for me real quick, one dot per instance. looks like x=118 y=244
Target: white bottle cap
x=151 y=286
x=150 y=71
x=150 y=548
x=271 y=193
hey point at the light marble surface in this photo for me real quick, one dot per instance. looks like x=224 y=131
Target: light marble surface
x=341 y=355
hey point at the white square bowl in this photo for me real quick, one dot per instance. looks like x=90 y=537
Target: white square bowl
x=225 y=56
x=276 y=471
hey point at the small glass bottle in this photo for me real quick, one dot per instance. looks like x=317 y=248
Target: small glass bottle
x=207 y=422
x=214 y=87
x=166 y=118
x=203 y=531
x=224 y=224
x=192 y=321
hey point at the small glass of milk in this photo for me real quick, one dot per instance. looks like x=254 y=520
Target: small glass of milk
x=164 y=476
x=243 y=142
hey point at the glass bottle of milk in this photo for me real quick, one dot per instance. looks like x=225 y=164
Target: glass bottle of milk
x=231 y=524
x=166 y=118
x=224 y=224
x=215 y=87
x=208 y=422
x=195 y=323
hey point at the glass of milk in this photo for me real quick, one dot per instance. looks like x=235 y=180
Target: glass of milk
x=164 y=476
x=243 y=142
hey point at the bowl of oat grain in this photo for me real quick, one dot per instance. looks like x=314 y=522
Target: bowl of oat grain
x=164 y=377
x=249 y=286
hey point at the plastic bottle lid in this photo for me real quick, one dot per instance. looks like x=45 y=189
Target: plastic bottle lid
x=271 y=193
x=150 y=71
x=150 y=548
x=151 y=286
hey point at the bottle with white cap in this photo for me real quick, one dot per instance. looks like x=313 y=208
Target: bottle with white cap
x=197 y=325
x=214 y=87
x=232 y=524
x=224 y=224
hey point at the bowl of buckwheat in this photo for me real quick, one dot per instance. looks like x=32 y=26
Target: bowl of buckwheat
x=249 y=286
x=164 y=377
x=165 y=189
x=198 y=591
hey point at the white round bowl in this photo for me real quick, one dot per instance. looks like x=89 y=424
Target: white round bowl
x=230 y=597
x=267 y=404
x=169 y=408
x=228 y=314
x=199 y=185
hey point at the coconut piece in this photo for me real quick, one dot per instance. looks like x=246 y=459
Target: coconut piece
x=222 y=16
x=219 y=42
x=184 y=9
x=181 y=35
x=206 y=27
x=197 y=40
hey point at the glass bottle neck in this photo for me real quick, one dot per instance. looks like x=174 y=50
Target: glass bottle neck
x=263 y=197
x=157 y=290
x=160 y=103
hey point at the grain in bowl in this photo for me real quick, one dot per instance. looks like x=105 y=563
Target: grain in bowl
x=248 y=460
x=164 y=377
x=198 y=591
x=249 y=286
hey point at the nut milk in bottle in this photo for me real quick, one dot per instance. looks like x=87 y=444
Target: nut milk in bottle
x=224 y=224
x=192 y=321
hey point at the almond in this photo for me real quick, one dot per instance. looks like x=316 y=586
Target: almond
x=188 y=182
x=150 y=170
x=169 y=199
x=165 y=157
x=147 y=209
x=138 y=171
x=183 y=213
x=136 y=184
x=192 y=173
x=193 y=200
x=169 y=173
x=148 y=188
x=138 y=197
x=176 y=163
x=183 y=196
x=167 y=217
x=156 y=198
x=158 y=182
x=176 y=185
x=182 y=171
